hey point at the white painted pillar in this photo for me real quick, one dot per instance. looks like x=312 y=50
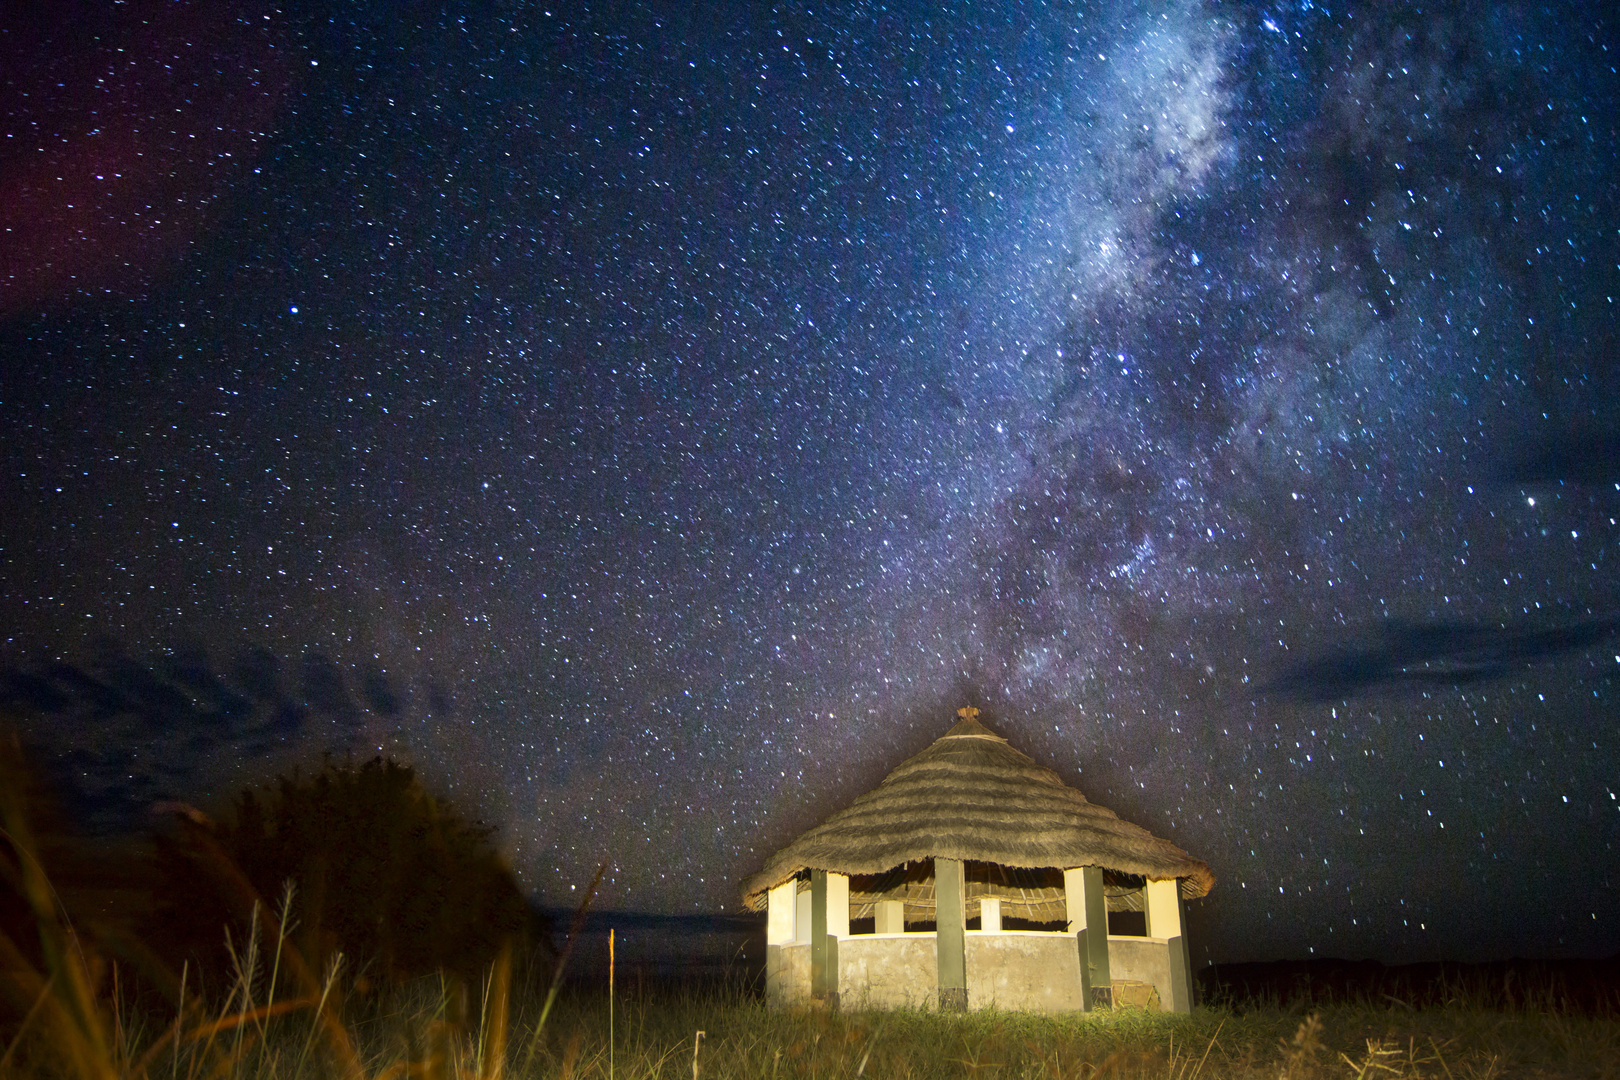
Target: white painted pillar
x=890 y=917
x=1074 y=898
x=779 y=904
x=990 y=914
x=1163 y=908
x=838 y=904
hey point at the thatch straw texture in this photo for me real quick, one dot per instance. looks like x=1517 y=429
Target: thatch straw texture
x=971 y=796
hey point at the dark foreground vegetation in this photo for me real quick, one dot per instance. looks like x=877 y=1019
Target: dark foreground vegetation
x=1579 y=986
x=501 y=1029
x=364 y=975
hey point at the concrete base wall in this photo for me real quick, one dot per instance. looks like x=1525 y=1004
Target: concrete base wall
x=1015 y=971
x=1024 y=971
x=787 y=974
x=1141 y=960
x=889 y=971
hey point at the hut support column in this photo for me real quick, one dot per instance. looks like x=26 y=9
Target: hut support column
x=990 y=914
x=1164 y=921
x=891 y=917
x=950 y=937
x=780 y=903
x=829 y=921
x=1088 y=917
x=838 y=905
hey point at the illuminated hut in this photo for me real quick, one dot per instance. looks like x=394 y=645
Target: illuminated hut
x=877 y=905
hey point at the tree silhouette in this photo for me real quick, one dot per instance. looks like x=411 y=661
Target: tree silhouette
x=383 y=872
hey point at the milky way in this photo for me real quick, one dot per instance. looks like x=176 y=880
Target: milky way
x=655 y=425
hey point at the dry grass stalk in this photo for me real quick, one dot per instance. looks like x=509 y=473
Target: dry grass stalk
x=1375 y=1061
x=1299 y=1056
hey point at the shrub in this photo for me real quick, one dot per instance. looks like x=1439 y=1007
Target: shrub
x=383 y=872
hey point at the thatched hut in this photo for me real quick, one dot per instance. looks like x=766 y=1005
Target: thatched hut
x=877 y=905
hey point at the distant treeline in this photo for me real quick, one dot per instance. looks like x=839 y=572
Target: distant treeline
x=1587 y=986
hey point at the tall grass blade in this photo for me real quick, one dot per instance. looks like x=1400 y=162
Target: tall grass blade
x=338 y=1039
x=492 y=1029
x=1208 y=1048
x=180 y=1015
x=562 y=962
x=323 y=1018
x=283 y=928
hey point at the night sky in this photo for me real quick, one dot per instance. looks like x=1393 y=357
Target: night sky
x=654 y=422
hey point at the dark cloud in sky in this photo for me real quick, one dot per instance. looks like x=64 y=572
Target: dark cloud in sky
x=1591 y=457
x=1408 y=656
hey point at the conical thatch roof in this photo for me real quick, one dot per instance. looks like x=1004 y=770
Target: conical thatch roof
x=971 y=796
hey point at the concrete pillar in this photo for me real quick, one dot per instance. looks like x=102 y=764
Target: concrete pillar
x=823 y=944
x=890 y=917
x=1088 y=911
x=1163 y=905
x=990 y=914
x=1181 y=984
x=950 y=938
x=1085 y=970
x=779 y=904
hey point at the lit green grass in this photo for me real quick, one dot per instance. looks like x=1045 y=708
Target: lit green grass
x=429 y=1030
x=657 y=1037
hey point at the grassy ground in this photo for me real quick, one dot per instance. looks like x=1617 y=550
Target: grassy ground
x=68 y=1011
x=428 y=1031
x=740 y=1038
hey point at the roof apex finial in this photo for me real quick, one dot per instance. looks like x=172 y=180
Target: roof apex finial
x=967 y=726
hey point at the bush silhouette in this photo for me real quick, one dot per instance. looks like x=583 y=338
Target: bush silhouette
x=385 y=873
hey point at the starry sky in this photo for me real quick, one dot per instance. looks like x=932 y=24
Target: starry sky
x=654 y=421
